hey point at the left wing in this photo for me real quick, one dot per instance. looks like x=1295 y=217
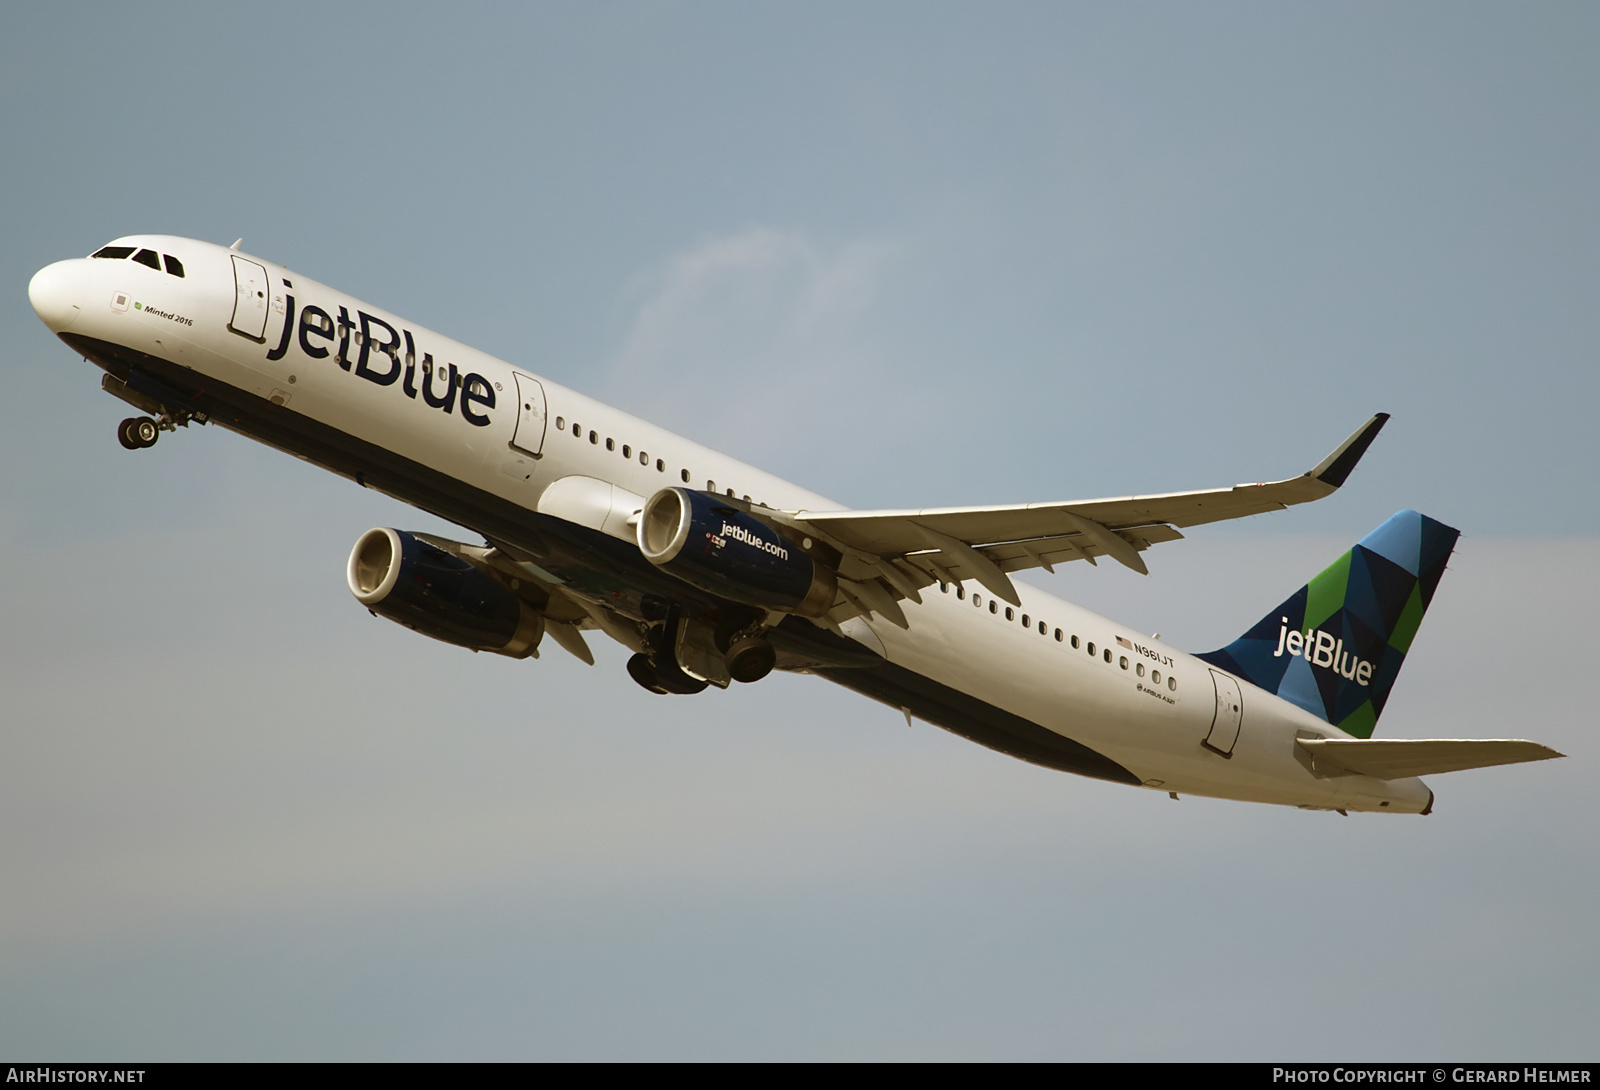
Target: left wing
x=886 y=554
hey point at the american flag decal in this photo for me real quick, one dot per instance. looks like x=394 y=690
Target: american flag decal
x=1122 y=642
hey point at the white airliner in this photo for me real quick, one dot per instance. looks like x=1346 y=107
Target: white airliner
x=712 y=571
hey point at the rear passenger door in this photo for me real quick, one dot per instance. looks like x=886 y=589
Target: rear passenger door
x=1229 y=715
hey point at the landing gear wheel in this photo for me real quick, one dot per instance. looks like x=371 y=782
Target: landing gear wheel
x=676 y=681
x=750 y=658
x=640 y=669
x=138 y=431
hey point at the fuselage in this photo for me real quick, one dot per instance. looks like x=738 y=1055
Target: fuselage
x=556 y=475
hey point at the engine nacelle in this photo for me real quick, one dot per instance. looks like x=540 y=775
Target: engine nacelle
x=441 y=595
x=701 y=539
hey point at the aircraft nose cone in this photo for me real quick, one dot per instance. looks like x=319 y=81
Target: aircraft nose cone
x=54 y=294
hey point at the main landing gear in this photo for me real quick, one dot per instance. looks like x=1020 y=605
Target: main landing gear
x=656 y=667
x=736 y=650
x=662 y=681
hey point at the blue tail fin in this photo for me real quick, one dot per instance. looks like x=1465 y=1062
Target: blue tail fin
x=1336 y=646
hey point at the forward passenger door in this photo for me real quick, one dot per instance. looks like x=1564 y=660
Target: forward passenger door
x=529 y=435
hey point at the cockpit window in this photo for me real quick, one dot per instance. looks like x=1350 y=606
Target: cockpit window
x=148 y=257
x=115 y=253
x=174 y=266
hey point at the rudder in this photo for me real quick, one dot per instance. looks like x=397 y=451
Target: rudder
x=1337 y=645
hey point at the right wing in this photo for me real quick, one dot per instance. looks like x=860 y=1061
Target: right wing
x=890 y=554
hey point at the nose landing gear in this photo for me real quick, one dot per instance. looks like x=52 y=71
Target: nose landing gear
x=138 y=432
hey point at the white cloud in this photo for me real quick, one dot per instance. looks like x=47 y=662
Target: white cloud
x=765 y=323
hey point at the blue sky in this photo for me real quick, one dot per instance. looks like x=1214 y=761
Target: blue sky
x=906 y=255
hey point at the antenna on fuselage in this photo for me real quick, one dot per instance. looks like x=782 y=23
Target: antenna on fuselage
x=238 y=242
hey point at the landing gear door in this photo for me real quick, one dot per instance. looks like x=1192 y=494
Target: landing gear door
x=529 y=436
x=250 y=302
x=1229 y=717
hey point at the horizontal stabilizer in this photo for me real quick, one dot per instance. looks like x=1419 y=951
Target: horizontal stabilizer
x=1398 y=758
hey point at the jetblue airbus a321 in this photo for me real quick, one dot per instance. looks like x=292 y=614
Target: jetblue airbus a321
x=711 y=571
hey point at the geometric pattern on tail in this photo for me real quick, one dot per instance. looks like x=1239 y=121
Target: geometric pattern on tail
x=1337 y=645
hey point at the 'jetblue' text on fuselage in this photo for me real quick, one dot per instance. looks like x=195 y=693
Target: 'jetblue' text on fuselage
x=379 y=359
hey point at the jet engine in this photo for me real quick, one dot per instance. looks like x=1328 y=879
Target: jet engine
x=427 y=589
x=710 y=544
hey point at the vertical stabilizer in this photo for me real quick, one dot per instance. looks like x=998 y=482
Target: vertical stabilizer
x=1336 y=646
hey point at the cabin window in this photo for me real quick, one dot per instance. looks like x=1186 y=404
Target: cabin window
x=944 y=588
x=1155 y=676
x=730 y=493
x=1172 y=683
x=577 y=431
x=594 y=438
x=685 y=476
x=1139 y=669
x=1025 y=622
x=661 y=465
x=627 y=451
x=1075 y=643
x=561 y=421
x=961 y=592
x=1124 y=662
x=1058 y=638
x=1108 y=655
x=115 y=253
x=148 y=257
x=993 y=606
x=1091 y=646
x=1042 y=630
x=644 y=459
x=1010 y=616
x=977 y=599
x=711 y=486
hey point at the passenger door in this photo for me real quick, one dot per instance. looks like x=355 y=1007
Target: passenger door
x=529 y=435
x=250 y=300
x=1229 y=716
